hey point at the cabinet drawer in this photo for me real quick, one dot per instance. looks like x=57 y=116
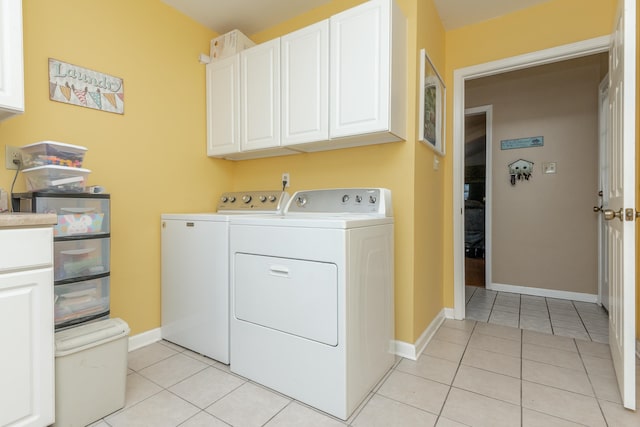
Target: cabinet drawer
x=79 y=258
x=25 y=247
x=79 y=301
x=76 y=216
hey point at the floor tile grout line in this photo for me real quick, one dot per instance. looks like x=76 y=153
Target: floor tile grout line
x=456 y=372
x=595 y=393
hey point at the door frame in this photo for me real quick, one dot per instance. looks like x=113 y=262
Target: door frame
x=546 y=56
x=487 y=110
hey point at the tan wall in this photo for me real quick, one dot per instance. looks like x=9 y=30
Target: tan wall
x=544 y=230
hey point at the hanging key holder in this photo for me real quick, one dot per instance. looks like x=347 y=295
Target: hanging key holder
x=520 y=170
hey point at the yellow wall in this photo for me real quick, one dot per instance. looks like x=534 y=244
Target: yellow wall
x=429 y=193
x=152 y=159
x=547 y=25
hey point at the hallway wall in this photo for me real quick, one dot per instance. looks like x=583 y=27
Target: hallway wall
x=544 y=231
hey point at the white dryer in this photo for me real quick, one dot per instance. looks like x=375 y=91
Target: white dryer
x=312 y=297
x=195 y=271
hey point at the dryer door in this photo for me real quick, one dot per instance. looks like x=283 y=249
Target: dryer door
x=293 y=296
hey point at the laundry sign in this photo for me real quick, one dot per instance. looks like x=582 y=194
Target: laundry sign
x=532 y=141
x=80 y=86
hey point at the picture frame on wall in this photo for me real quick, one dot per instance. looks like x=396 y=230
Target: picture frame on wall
x=431 y=126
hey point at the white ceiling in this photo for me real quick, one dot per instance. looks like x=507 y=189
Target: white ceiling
x=459 y=13
x=252 y=16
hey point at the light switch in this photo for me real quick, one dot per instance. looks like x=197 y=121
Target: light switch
x=436 y=163
x=549 y=167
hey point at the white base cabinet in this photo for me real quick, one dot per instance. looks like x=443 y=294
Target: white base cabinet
x=11 y=59
x=26 y=327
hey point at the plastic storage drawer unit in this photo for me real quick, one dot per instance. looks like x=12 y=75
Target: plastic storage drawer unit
x=78 y=302
x=91 y=371
x=80 y=258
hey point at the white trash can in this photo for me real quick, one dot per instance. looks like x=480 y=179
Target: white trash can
x=91 y=371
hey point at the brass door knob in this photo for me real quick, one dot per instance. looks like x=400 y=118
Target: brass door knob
x=610 y=214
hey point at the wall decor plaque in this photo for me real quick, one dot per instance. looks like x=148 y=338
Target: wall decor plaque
x=80 y=86
x=532 y=141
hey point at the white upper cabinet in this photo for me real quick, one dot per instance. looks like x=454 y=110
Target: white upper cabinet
x=339 y=83
x=11 y=62
x=368 y=73
x=305 y=84
x=223 y=106
x=260 y=96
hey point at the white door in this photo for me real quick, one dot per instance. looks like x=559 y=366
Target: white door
x=305 y=84
x=27 y=362
x=260 y=96
x=223 y=106
x=359 y=76
x=621 y=230
x=603 y=194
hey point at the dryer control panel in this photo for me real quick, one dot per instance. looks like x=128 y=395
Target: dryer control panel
x=375 y=201
x=253 y=201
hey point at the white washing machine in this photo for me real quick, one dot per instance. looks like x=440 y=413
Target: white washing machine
x=312 y=297
x=195 y=271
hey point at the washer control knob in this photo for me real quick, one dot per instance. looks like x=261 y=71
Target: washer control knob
x=358 y=198
x=224 y=199
x=372 y=199
x=246 y=198
x=263 y=198
x=272 y=198
x=345 y=198
x=232 y=199
x=301 y=201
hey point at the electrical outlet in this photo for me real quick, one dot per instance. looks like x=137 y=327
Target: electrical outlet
x=11 y=154
x=286 y=179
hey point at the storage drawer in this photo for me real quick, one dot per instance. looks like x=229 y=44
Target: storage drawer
x=79 y=301
x=76 y=216
x=79 y=258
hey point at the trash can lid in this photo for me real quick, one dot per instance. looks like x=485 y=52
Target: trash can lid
x=79 y=337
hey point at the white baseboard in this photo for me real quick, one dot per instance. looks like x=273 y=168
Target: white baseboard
x=145 y=338
x=413 y=351
x=548 y=293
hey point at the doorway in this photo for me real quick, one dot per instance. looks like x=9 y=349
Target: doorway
x=477 y=213
x=575 y=50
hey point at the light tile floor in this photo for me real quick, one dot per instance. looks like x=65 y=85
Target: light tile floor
x=572 y=319
x=471 y=373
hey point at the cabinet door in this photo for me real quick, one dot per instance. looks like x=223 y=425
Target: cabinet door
x=223 y=108
x=305 y=84
x=260 y=95
x=11 y=63
x=360 y=71
x=26 y=334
